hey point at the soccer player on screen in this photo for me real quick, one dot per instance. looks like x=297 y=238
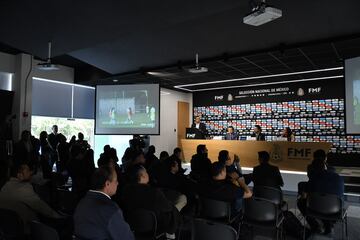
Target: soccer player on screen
x=112 y=116
x=129 y=116
x=356 y=110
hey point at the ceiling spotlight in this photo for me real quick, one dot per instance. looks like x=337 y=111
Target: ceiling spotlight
x=197 y=68
x=115 y=80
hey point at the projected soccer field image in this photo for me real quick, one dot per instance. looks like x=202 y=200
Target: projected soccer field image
x=127 y=109
x=356 y=95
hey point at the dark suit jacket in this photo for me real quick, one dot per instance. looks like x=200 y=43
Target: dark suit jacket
x=201 y=132
x=260 y=137
x=200 y=166
x=267 y=175
x=98 y=217
x=233 y=136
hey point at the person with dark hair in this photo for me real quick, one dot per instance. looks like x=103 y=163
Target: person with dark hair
x=321 y=180
x=288 y=134
x=200 y=164
x=177 y=157
x=233 y=168
x=230 y=134
x=140 y=195
x=151 y=159
x=218 y=188
x=199 y=128
x=63 y=150
x=258 y=134
x=18 y=195
x=163 y=156
x=266 y=174
x=81 y=142
x=97 y=216
x=23 y=149
x=54 y=139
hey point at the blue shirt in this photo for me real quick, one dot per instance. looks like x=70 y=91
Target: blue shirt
x=327 y=182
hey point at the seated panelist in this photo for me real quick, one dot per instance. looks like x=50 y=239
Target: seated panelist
x=230 y=134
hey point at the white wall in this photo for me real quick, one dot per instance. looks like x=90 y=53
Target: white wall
x=21 y=65
x=167 y=140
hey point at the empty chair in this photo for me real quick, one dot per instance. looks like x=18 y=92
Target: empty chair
x=272 y=194
x=206 y=230
x=263 y=213
x=66 y=201
x=216 y=210
x=11 y=225
x=326 y=207
x=143 y=223
x=40 y=231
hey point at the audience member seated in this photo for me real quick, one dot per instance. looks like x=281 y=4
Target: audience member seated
x=218 y=188
x=151 y=159
x=97 y=216
x=140 y=195
x=177 y=157
x=266 y=174
x=18 y=195
x=81 y=167
x=81 y=142
x=23 y=150
x=163 y=156
x=321 y=180
x=233 y=168
x=200 y=164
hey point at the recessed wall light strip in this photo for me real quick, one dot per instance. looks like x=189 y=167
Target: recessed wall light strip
x=261 y=84
x=259 y=77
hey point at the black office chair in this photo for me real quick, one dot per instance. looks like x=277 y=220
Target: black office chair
x=206 y=230
x=40 y=231
x=144 y=224
x=263 y=213
x=274 y=195
x=326 y=207
x=216 y=210
x=11 y=225
x=66 y=201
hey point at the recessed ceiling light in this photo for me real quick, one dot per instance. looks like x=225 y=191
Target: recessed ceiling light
x=115 y=80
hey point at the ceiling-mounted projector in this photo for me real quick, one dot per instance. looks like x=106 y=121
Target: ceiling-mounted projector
x=47 y=66
x=197 y=68
x=262 y=14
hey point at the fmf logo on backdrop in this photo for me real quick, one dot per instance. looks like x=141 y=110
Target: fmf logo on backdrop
x=315 y=90
x=219 y=98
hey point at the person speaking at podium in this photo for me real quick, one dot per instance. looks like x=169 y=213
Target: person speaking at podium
x=199 y=128
x=230 y=134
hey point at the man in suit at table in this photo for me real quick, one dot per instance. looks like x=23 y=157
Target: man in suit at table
x=199 y=128
x=230 y=134
x=258 y=134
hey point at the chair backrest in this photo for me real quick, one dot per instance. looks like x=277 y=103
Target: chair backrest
x=11 y=224
x=142 y=222
x=66 y=201
x=206 y=230
x=274 y=195
x=324 y=203
x=40 y=231
x=214 y=209
x=260 y=210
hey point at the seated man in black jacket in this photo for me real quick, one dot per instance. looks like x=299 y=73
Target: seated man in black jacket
x=266 y=174
x=140 y=195
x=97 y=216
x=200 y=164
x=218 y=188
